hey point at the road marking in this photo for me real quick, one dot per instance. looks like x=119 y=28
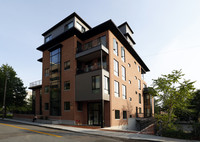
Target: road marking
x=30 y=130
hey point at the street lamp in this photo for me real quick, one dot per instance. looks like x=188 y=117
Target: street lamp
x=4 y=97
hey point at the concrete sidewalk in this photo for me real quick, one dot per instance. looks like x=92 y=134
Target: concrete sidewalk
x=102 y=132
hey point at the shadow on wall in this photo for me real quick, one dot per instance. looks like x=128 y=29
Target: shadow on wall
x=126 y=113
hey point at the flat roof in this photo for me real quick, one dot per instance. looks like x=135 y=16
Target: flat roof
x=64 y=20
x=108 y=25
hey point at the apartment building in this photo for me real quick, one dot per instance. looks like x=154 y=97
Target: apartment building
x=91 y=76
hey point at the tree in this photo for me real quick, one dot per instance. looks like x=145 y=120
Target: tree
x=195 y=105
x=15 y=92
x=173 y=92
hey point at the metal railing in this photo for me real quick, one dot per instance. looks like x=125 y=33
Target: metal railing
x=36 y=83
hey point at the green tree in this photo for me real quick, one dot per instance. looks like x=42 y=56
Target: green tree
x=195 y=105
x=15 y=92
x=173 y=92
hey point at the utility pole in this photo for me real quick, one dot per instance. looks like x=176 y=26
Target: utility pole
x=4 y=98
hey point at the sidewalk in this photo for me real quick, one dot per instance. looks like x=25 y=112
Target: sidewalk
x=103 y=132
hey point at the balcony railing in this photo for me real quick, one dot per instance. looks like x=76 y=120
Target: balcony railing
x=36 y=83
x=97 y=42
x=92 y=68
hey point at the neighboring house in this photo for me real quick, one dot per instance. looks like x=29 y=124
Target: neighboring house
x=91 y=76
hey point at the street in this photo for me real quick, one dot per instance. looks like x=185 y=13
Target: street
x=18 y=132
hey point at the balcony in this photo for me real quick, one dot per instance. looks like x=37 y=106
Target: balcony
x=35 y=84
x=91 y=47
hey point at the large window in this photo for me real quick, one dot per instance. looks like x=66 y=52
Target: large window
x=69 y=26
x=124 y=114
x=106 y=85
x=139 y=98
x=117 y=114
x=123 y=54
x=139 y=84
x=80 y=27
x=67 y=85
x=116 y=88
x=116 y=68
x=55 y=92
x=48 y=38
x=67 y=65
x=124 y=92
x=123 y=73
x=96 y=84
x=66 y=105
x=115 y=47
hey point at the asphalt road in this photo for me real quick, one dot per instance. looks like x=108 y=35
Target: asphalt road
x=18 y=132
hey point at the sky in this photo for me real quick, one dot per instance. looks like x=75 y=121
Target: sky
x=166 y=32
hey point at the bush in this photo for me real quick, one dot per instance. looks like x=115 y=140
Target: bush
x=176 y=134
x=196 y=130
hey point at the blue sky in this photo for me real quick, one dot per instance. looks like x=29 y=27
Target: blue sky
x=167 y=32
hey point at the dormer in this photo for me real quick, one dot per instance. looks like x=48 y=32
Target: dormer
x=66 y=24
x=127 y=32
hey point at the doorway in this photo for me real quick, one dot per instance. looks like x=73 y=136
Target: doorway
x=94 y=114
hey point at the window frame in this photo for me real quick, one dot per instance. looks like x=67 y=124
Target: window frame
x=117 y=114
x=116 y=67
x=106 y=85
x=96 y=85
x=115 y=47
x=123 y=73
x=124 y=94
x=46 y=89
x=123 y=57
x=67 y=106
x=65 y=85
x=124 y=114
x=116 y=89
x=66 y=67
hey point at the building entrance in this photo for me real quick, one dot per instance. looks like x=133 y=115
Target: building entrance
x=94 y=114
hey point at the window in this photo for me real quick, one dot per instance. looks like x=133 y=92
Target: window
x=135 y=77
x=135 y=62
x=138 y=68
x=66 y=85
x=117 y=114
x=80 y=27
x=129 y=65
x=48 y=38
x=46 y=106
x=46 y=72
x=80 y=106
x=115 y=47
x=130 y=99
x=96 y=84
x=46 y=89
x=68 y=26
x=139 y=98
x=116 y=68
x=135 y=92
x=140 y=110
x=123 y=73
x=66 y=105
x=116 y=88
x=67 y=65
x=124 y=91
x=106 y=85
x=123 y=54
x=139 y=84
x=124 y=114
x=129 y=82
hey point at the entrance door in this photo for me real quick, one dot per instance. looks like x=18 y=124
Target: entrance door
x=94 y=114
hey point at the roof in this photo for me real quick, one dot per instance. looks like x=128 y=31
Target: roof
x=125 y=23
x=64 y=20
x=108 y=25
